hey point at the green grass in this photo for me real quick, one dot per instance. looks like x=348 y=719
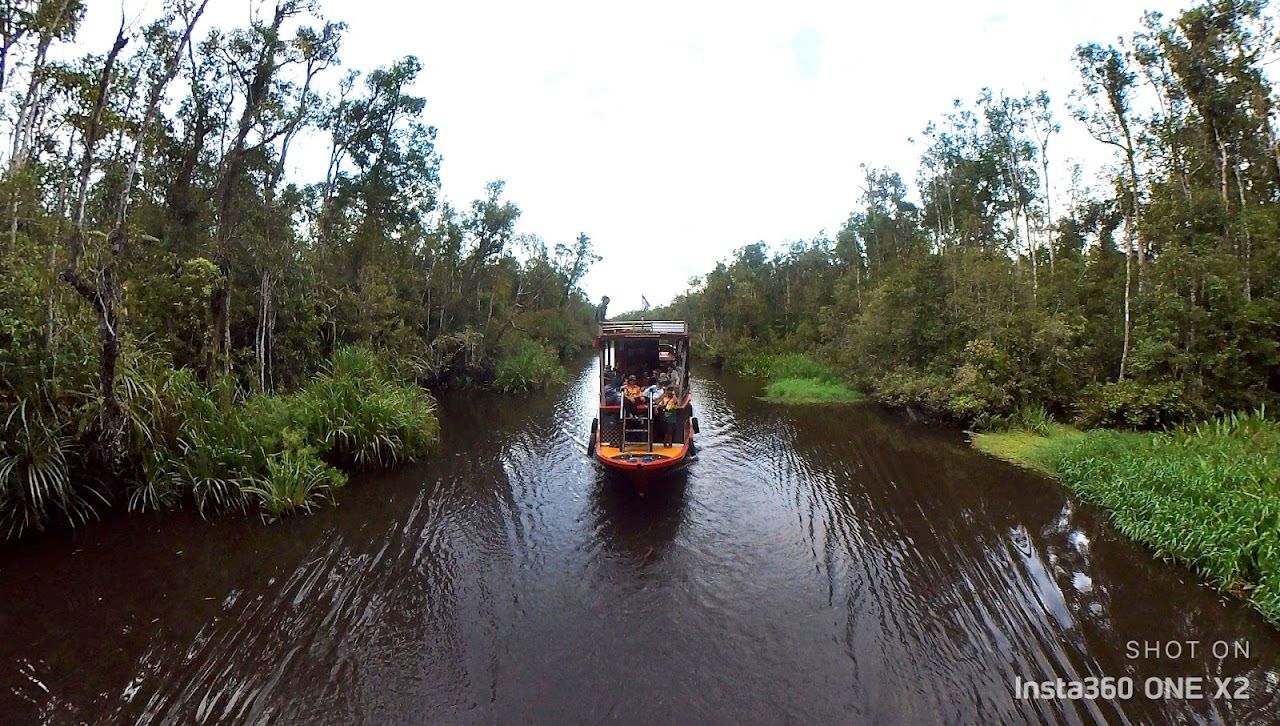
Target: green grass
x=1206 y=495
x=810 y=390
x=1028 y=448
x=779 y=366
x=796 y=378
x=294 y=480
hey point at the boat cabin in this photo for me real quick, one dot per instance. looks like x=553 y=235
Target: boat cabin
x=652 y=351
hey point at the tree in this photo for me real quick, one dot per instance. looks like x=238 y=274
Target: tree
x=1108 y=85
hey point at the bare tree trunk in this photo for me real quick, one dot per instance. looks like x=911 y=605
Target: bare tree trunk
x=1128 y=285
x=109 y=412
x=1048 y=207
x=218 y=359
x=1248 y=239
x=262 y=338
x=104 y=293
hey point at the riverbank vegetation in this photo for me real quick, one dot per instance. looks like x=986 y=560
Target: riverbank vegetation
x=1207 y=495
x=810 y=390
x=999 y=297
x=177 y=304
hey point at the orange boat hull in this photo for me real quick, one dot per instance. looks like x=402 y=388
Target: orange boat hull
x=639 y=465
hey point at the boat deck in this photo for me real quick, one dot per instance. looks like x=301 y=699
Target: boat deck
x=668 y=451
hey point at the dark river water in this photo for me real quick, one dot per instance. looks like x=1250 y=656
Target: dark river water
x=814 y=565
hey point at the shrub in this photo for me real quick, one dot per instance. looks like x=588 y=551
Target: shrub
x=1131 y=404
x=984 y=384
x=351 y=415
x=260 y=450
x=528 y=365
x=912 y=389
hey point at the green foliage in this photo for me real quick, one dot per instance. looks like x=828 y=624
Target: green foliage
x=189 y=443
x=529 y=365
x=777 y=366
x=906 y=388
x=810 y=390
x=985 y=382
x=1033 y=418
x=295 y=479
x=35 y=478
x=1131 y=404
x=1208 y=497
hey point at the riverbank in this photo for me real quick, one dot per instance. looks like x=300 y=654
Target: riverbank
x=1206 y=495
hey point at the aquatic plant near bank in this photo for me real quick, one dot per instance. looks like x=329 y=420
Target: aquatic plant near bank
x=188 y=443
x=1207 y=495
x=35 y=477
x=295 y=479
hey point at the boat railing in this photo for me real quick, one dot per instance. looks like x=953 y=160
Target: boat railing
x=664 y=327
x=649 y=411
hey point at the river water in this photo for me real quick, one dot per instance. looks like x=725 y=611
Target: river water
x=813 y=565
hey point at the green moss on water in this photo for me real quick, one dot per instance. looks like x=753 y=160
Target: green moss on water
x=1206 y=495
x=810 y=390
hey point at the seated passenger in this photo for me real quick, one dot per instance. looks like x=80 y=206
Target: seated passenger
x=654 y=391
x=634 y=393
x=611 y=397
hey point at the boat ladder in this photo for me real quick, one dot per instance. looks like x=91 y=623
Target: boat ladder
x=637 y=430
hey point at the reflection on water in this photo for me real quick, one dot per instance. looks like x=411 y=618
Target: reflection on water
x=812 y=565
x=638 y=526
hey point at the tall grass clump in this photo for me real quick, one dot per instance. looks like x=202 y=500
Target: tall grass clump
x=294 y=480
x=779 y=366
x=1032 y=418
x=528 y=365
x=357 y=418
x=36 y=486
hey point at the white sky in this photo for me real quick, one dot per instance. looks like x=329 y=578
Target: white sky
x=674 y=132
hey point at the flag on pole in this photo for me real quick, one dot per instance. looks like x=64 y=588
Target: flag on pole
x=644 y=302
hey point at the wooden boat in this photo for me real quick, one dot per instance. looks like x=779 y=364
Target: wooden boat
x=628 y=439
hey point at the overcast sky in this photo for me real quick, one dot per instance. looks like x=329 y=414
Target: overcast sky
x=674 y=132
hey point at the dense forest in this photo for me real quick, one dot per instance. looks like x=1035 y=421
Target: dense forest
x=1145 y=300
x=181 y=320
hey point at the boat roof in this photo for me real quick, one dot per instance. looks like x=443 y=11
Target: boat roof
x=644 y=329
